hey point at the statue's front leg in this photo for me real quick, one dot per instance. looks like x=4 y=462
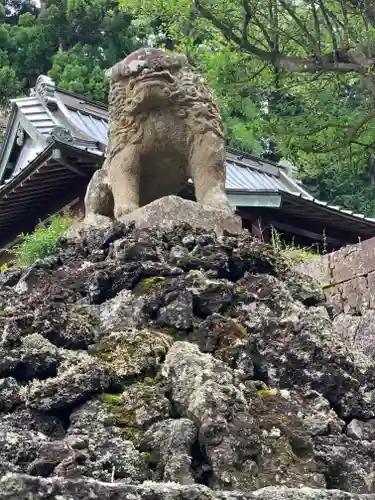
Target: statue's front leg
x=99 y=198
x=124 y=174
x=208 y=171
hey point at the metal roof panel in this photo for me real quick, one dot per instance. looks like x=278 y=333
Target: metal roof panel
x=37 y=114
x=28 y=153
x=95 y=127
x=244 y=177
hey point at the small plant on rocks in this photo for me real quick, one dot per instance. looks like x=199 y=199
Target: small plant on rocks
x=42 y=242
x=3 y=268
x=291 y=253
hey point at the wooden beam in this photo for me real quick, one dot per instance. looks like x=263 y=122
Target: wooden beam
x=42 y=193
x=306 y=233
x=25 y=188
x=47 y=181
x=51 y=189
x=58 y=156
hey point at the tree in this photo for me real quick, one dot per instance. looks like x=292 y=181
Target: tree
x=79 y=71
x=301 y=76
x=74 y=40
x=96 y=35
x=15 y=8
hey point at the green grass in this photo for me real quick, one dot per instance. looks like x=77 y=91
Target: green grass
x=42 y=242
x=291 y=253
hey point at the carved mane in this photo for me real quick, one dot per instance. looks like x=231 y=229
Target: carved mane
x=184 y=93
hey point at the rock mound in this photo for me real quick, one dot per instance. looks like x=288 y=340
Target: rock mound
x=162 y=364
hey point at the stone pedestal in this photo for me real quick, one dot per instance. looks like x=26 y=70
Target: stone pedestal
x=171 y=210
x=165 y=213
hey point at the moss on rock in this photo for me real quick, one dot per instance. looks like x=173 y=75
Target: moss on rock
x=133 y=353
x=138 y=407
x=146 y=284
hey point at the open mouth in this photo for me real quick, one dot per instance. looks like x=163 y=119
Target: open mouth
x=152 y=76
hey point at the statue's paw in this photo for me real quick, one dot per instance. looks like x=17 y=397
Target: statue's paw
x=219 y=202
x=125 y=210
x=97 y=220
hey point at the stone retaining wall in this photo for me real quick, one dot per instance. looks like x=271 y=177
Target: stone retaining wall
x=348 y=279
x=347 y=276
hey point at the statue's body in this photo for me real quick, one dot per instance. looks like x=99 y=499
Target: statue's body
x=164 y=128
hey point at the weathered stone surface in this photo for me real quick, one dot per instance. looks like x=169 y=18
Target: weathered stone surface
x=357 y=331
x=352 y=261
x=134 y=352
x=305 y=289
x=347 y=472
x=124 y=311
x=347 y=277
x=334 y=298
x=10 y=277
x=361 y=430
x=101 y=451
x=204 y=390
x=371 y=289
x=145 y=403
x=318 y=269
x=272 y=493
x=166 y=212
x=165 y=129
x=355 y=295
x=10 y=393
x=16 y=486
x=73 y=384
x=230 y=433
x=170 y=443
x=153 y=354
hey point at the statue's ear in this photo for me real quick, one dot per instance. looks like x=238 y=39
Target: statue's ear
x=108 y=74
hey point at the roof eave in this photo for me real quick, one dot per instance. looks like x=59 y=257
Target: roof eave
x=100 y=105
x=330 y=209
x=43 y=155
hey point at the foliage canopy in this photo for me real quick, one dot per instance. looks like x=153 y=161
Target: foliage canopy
x=295 y=79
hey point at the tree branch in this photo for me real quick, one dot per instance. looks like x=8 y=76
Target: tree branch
x=365 y=6
x=289 y=63
x=302 y=26
x=263 y=29
x=330 y=29
x=316 y=23
x=246 y=19
x=350 y=136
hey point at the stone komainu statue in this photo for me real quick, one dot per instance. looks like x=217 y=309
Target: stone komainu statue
x=164 y=128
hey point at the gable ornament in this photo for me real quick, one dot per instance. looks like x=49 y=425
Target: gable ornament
x=45 y=89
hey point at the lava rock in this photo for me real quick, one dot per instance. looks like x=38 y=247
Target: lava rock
x=175 y=355
x=73 y=384
x=133 y=352
x=170 y=443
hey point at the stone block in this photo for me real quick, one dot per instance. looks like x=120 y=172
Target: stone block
x=334 y=297
x=346 y=327
x=357 y=332
x=355 y=295
x=371 y=289
x=169 y=211
x=352 y=261
x=318 y=269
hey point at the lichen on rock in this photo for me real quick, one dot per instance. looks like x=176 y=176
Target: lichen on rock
x=132 y=353
x=177 y=356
